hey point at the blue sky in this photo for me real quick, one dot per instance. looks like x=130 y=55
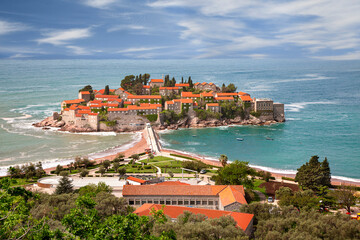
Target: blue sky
x=166 y=29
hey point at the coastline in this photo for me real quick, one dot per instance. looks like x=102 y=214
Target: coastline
x=336 y=180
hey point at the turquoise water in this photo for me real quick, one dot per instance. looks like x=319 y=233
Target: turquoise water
x=321 y=100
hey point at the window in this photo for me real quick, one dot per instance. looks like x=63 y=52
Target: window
x=173 y=202
x=180 y=202
x=204 y=202
x=216 y=203
x=156 y=201
x=143 y=202
x=186 y=202
x=131 y=202
x=168 y=202
x=192 y=202
x=162 y=201
x=137 y=202
x=149 y=201
x=198 y=202
x=211 y=202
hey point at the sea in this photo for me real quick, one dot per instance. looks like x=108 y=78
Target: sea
x=322 y=110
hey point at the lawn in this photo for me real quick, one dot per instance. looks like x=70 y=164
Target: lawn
x=257 y=183
x=20 y=182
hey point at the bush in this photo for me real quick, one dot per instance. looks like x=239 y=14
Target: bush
x=255 y=114
x=288 y=178
x=152 y=117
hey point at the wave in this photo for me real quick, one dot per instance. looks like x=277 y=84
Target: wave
x=11 y=120
x=296 y=107
x=34 y=105
x=307 y=77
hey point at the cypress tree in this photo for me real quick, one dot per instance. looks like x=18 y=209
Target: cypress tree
x=325 y=168
x=107 y=90
x=182 y=79
x=65 y=186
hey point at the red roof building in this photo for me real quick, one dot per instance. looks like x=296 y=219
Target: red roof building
x=243 y=220
x=223 y=197
x=182 y=85
x=135 y=181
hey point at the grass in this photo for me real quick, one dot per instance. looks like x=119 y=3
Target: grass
x=257 y=183
x=157 y=159
x=20 y=182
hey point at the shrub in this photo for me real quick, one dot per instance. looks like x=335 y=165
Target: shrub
x=255 y=114
x=152 y=117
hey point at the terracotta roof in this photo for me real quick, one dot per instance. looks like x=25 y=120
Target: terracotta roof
x=136 y=179
x=96 y=105
x=127 y=102
x=74 y=101
x=177 y=100
x=149 y=105
x=106 y=96
x=156 y=81
x=189 y=94
x=84 y=111
x=204 y=83
x=169 y=102
x=245 y=98
x=186 y=100
x=103 y=90
x=242 y=219
x=78 y=115
x=230 y=195
x=224 y=98
x=96 y=101
x=211 y=84
x=116 y=100
x=66 y=109
x=73 y=107
x=94 y=114
x=84 y=107
x=205 y=94
x=85 y=92
x=144 y=97
x=243 y=93
x=196 y=83
x=182 y=85
x=118 y=109
x=172 y=183
x=212 y=104
x=146 y=86
x=226 y=94
x=168 y=88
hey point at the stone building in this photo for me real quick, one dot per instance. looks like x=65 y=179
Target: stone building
x=156 y=83
x=146 y=90
x=84 y=95
x=279 y=114
x=174 y=105
x=220 y=197
x=68 y=103
x=207 y=97
x=190 y=95
x=213 y=107
x=167 y=91
x=205 y=86
x=144 y=99
x=182 y=85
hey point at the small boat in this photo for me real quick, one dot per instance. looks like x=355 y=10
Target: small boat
x=240 y=139
x=194 y=135
x=269 y=138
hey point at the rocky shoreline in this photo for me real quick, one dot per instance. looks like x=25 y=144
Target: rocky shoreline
x=188 y=122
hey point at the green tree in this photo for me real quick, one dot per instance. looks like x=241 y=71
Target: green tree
x=64 y=186
x=93 y=189
x=122 y=171
x=106 y=164
x=102 y=170
x=116 y=166
x=58 y=169
x=135 y=157
x=138 y=88
x=86 y=88
x=313 y=174
x=120 y=157
x=223 y=159
x=235 y=173
x=128 y=82
x=345 y=197
x=84 y=173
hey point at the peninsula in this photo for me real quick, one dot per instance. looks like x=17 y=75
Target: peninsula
x=164 y=104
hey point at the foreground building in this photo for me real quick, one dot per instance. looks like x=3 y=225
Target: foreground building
x=243 y=220
x=220 y=197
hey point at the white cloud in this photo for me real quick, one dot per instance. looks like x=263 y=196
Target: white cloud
x=348 y=56
x=60 y=37
x=102 y=4
x=10 y=27
x=19 y=55
x=139 y=49
x=79 y=50
x=125 y=27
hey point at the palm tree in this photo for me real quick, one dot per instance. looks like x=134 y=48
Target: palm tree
x=223 y=159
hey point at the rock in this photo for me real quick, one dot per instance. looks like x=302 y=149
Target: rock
x=194 y=121
x=45 y=128
x=60 y=123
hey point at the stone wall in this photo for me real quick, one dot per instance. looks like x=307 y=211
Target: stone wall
x=279 y=112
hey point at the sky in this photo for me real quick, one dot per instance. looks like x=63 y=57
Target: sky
x=180 y=29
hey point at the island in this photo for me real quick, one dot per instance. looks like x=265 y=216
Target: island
x=163 y=103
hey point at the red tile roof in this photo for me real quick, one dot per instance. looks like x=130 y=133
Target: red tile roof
x=205 y=94
x=146 y=86
x=127 y=102
x=78 y=115
x=84 y=107
x=245 y=98
x=136 y=179
x=189 y=94
x=107 y=96
x=144 y=97
x=73 y=107
x=172 y=183
x=96 y=101
x=186 y=100
x=149 y=105
x=84 y=111
x=103 y=90
x=66 y=109
x=169 y=102
x=116 y=100
x=224 y=98
x=226 y=94
x=196 y=83
x=85 y=92
x=94 y=114
x=168 y=88
x=182 y=85
x=243 y=220
x=118 y=109
x=74 y=101
x=212 y=104
x=243 y=93
x=156 y=81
